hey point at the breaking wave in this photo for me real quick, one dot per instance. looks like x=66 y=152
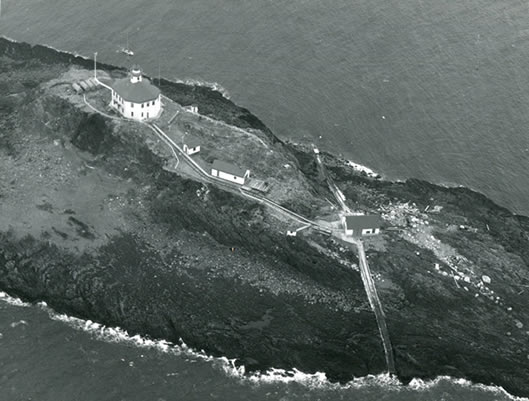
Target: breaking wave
x=361 y=168
x=422 y=385
x=12 y=300
x=212 y=85
x=316 y=380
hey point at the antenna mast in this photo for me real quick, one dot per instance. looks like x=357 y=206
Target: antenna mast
x=95 y=64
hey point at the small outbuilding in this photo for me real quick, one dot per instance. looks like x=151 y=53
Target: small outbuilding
x=361 y=225
x=191 y=145
x=229 y=172
x=77 y=88
x=191 y=109
x=91 y=84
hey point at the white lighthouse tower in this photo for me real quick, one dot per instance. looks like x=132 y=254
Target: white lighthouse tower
x=135 y=74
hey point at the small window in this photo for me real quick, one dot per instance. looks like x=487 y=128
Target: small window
x=132 y=114
x=142 y=114
x=234 y=177
x=142 y=105
x=153 y=102
x=147 y=115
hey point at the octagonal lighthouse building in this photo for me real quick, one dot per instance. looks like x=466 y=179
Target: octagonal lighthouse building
x=135 y=97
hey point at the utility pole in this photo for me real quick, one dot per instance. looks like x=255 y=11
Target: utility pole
x=95 y=63
x=158 y=70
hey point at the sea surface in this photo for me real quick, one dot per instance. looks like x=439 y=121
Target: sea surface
x=433 y=89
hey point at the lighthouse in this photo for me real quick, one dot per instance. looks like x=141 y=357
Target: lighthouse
x=135 y=97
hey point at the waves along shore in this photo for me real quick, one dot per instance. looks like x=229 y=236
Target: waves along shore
x=228 y=366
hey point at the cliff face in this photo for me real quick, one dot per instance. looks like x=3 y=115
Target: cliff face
x=91 y=223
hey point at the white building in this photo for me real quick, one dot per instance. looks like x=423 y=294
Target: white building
x=229 y=172
x=135 y=97
x=191 y=145
x=361 y=225
x=191 y=109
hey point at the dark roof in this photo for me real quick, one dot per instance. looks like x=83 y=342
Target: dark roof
x=191 y=141
x=137 y=92
x=228 y=168
x=361 y=222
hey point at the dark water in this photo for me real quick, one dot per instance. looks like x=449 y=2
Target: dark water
x=434 y=89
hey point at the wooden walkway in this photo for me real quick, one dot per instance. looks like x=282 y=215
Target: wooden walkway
x=374 y=301
x=365 y=273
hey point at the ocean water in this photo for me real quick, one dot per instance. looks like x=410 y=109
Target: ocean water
x=434 y=89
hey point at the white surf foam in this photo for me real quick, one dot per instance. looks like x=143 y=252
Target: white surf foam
x=9 y=39
x=19 y=323
x=212 y=85
x=422 y=385
x=361 y=168
x=316 y=380
x=12 y=300
x=319 y=380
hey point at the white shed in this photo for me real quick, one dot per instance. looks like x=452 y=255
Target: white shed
x=191 y=109
x=191 y=145
x=361 y=225
x=229 y=172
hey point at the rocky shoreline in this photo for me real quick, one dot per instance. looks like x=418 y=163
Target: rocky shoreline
x=150 y=251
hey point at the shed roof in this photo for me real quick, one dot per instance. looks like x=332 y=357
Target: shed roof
x=228 y=168
x=136 y=92
x=192 y=141
x=362 y=222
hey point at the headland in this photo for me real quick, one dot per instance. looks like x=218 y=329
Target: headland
x=98 y=221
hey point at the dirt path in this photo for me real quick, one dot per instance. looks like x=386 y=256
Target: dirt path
x=374 y=301
x=365 y=273
x=225 y=184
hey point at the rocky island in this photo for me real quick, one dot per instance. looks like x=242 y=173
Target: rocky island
x=98 y=221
